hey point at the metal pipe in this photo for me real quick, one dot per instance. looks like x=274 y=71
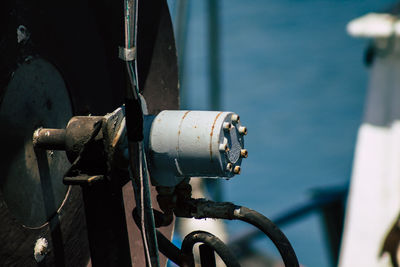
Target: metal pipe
x=50 y=139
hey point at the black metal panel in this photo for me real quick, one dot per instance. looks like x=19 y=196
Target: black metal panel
x=81 y=39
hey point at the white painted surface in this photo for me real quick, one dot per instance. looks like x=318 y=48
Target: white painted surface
x=374 y=197
x=373 y=25
x=374 y=201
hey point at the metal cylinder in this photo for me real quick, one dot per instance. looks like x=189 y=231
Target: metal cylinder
x=193 y=144
x=51 y=139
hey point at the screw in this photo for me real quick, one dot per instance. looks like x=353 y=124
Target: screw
x=243 y=153
x=223 y=148
x=243 y=130
x=229 y=167
x=235 y=118
x=236 y=170
x=227 y=126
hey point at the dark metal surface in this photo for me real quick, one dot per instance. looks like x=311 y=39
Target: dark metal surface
x=35 y=96
x=157 y=62
x=89 y=142
x=78 y=132
x=81 y=39
x=108 y=239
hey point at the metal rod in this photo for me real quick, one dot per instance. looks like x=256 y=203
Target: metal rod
x=49 y=139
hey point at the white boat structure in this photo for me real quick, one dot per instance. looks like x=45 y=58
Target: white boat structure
x=371 y=233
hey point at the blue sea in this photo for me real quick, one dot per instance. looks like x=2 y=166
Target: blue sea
x=298 y=82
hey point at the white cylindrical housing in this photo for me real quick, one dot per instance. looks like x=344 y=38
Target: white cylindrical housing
x=192 y=144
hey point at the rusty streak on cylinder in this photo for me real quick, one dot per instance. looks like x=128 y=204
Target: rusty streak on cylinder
x=180 y=124
x=211 y=134
x=179 y=129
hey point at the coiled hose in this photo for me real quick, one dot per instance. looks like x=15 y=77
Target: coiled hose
x=202 y=208
x=272 y=231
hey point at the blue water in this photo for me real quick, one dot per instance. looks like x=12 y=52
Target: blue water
x=298 y=82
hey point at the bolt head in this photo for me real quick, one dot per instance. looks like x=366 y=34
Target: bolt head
x=229 y=167
x=242 y=130
x=235 y=118
x=223 y=147
x=227 y=126
x=236 y=170
x=243 y=153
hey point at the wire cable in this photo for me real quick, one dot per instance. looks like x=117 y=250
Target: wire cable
x=134 y=109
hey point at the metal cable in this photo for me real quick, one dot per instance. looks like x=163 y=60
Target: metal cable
x=135 y=137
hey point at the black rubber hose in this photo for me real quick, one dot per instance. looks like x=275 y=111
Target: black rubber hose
x=165 y=246
x=169 y=250
x=202 y=208
x=271 y=230
x=212 y=241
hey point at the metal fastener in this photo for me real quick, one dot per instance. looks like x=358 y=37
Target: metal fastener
x=236 y=170
x=229 y=167
x=243 y=130
x=223 y=147
x=227 y=126
x=235 y=118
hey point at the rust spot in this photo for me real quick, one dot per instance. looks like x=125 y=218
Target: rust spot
x=184 y=115
x=211 y=133
x=180 y=124
x=179 y=130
